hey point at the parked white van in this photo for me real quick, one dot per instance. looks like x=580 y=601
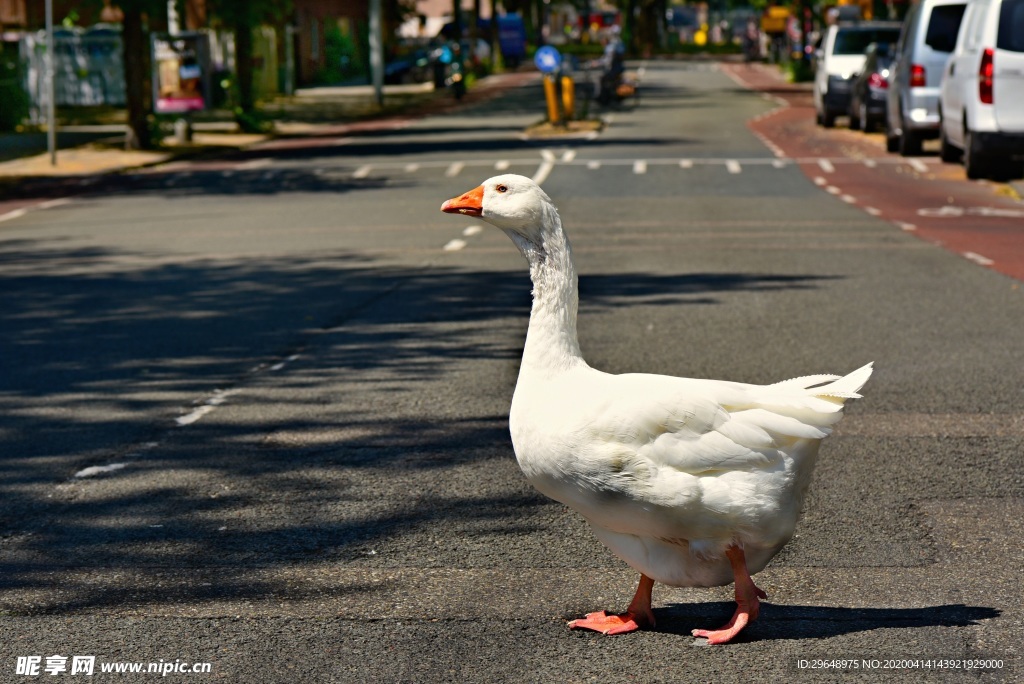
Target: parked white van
x=982 y=100
x=926 y=43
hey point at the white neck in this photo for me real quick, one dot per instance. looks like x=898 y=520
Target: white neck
x=551 y=342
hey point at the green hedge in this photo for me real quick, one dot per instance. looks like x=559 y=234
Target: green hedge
x=13 y=98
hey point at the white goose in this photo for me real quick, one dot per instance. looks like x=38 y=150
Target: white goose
x=690 y=482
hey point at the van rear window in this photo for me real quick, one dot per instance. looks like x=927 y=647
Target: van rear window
x=943 y=27
x=854 y=41
x=1011 y=26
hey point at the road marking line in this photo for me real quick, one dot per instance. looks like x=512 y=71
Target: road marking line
x=639 y=166
x=733 y=166
x=93 y=471
x=593 y=164
x=978 y=259
x=547 y=155
x=873 y=211
x=818 y=180
x=60 y=201
x=543 y=171
x=826 y=166
x=455 y=169
x=568 y=156
x=256 y=164
x=470 y=231
x=849 y=199
x=870 y=163
x=833 y=190
x=17 y=213
x=918 y=165
x=779 y=163
x=412 y=168
x=502 y=165
x=281 y=364
x=362 y=171
x=906 y=226
x=454 y=245
x=218 y=398
x=686 y=163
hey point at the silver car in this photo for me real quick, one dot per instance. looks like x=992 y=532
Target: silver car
x=926 y=42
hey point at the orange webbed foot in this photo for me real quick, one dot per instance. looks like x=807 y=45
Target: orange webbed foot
x=743 y=615
x=748 y=603
x=612 y=624
x=637 y=616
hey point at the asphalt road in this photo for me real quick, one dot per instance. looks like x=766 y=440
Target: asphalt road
x=291 y=374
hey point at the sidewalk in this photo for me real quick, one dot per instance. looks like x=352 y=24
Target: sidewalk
x=312 y=112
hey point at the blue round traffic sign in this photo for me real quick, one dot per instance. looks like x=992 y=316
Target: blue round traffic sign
x=547 y=59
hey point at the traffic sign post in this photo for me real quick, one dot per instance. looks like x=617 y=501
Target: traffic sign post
x=549 y=61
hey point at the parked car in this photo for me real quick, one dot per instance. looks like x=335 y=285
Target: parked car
x=926 y=42
x=413 y=67
x=982 y=93
x=871 y=88
x=839 y=59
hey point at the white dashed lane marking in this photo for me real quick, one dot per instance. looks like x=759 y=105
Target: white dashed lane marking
x=979 y=259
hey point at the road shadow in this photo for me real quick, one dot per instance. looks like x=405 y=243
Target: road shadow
x=95 y=341
x=783 y=622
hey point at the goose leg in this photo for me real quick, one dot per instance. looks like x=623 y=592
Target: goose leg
x=637 y=616
x=747 y=603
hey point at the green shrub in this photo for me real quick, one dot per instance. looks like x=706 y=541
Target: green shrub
x=13 y=98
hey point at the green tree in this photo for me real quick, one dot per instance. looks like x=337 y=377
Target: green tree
x=135 y=42
x=241 y=18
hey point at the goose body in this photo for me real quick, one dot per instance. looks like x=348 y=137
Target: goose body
x=691 y=482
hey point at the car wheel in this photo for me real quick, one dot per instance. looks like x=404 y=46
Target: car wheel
x=976 y=164
x=866 y=123
x=855 y=119
x=947 y=152
x=892 y=142
x=828 y=119
x=910 y=144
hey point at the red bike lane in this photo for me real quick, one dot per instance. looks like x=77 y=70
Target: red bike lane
x=981 y=221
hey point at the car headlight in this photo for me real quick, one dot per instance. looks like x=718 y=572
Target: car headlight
x=838 y=83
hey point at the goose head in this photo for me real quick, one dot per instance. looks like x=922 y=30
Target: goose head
x=513 y=203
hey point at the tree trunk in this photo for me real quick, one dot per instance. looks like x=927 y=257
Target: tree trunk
x=136 y=72
x=243 y=63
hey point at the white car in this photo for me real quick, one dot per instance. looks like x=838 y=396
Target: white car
x=982 y=96
x=839 y=60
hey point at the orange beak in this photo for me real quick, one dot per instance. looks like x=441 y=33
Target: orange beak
x=469 y=204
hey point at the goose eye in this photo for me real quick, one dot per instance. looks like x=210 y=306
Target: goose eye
x=502 y=188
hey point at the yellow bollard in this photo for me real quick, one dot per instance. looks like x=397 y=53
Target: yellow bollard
x=568 y=98
x=552 y=99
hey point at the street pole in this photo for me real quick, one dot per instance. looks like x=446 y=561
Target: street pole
x=173 y=20
x=289 y=60
x=376 y=52
x=51 y=87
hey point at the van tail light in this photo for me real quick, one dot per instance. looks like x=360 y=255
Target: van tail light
x=986 y=76
x=877 y=81
x=917 y=76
